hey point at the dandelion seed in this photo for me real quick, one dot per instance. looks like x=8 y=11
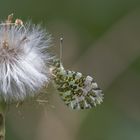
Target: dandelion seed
x=24 y=59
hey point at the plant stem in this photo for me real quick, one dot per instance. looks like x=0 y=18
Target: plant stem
x=2 y=120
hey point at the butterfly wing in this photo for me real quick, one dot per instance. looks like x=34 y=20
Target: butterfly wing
x=76 y=90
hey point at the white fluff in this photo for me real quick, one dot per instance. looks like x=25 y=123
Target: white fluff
x=23 y=62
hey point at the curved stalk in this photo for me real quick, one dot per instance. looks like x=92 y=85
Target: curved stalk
x=2 y=120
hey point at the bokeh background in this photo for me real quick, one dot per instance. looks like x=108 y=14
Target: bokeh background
x=101 y=39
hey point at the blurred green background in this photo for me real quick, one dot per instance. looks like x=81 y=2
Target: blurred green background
x=101 y=39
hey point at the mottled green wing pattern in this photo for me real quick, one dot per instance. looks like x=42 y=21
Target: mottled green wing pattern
x=76 y=90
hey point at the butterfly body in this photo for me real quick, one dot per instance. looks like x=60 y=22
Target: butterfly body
x=75 y=89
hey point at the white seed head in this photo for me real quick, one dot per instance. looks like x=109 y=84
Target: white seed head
x=24 y=61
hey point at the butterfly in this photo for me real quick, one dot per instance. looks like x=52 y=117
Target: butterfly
x=76 y=90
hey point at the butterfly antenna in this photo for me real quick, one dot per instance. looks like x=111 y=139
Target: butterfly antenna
x=61 y=49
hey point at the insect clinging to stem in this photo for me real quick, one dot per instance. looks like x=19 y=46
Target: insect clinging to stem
x=75 y=89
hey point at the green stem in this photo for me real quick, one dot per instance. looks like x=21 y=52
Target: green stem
x=2 y=120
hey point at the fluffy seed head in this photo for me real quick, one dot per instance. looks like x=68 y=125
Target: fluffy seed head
x=23 y=59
